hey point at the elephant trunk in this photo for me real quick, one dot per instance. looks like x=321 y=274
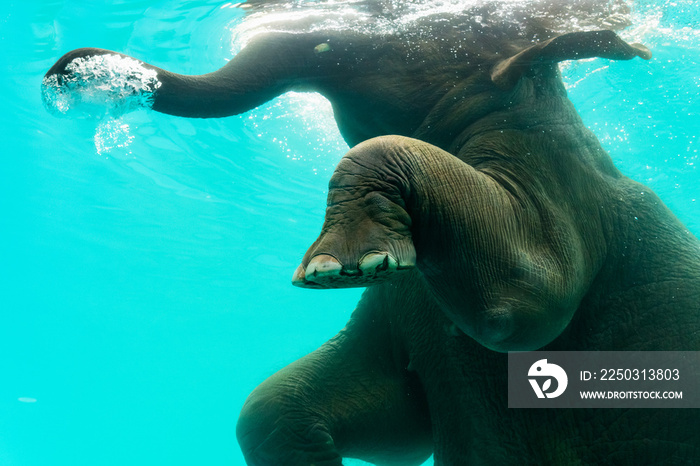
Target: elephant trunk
x=94 y=82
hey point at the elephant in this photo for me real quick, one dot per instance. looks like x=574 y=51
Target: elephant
x=483 y=217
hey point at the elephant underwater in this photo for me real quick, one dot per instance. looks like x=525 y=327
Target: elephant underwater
x=482 y=216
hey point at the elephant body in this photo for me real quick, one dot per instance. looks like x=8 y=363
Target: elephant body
x=484 y=217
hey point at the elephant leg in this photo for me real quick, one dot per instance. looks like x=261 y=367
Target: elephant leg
x=349 y=398
x=508 y=269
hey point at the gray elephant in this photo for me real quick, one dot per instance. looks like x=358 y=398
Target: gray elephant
x=484 y=218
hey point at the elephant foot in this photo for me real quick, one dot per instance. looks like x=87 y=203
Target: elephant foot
x=366 y=239
x=325 y=271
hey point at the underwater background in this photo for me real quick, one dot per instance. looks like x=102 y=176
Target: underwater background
x=146 y=260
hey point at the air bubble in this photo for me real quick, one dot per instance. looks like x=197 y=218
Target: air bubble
x=98 y=86
x=110 y=134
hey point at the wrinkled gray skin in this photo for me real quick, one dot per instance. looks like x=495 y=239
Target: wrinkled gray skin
x=488 y=219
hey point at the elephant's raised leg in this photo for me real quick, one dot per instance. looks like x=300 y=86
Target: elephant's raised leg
x=508 y=270
x=349 y=398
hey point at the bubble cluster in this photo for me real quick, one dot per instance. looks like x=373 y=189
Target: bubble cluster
x=112 y=133
x=98 y=86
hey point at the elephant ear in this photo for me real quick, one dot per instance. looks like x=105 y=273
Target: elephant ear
x=571 y=46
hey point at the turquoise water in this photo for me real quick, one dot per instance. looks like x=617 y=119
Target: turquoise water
x=146 y=262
